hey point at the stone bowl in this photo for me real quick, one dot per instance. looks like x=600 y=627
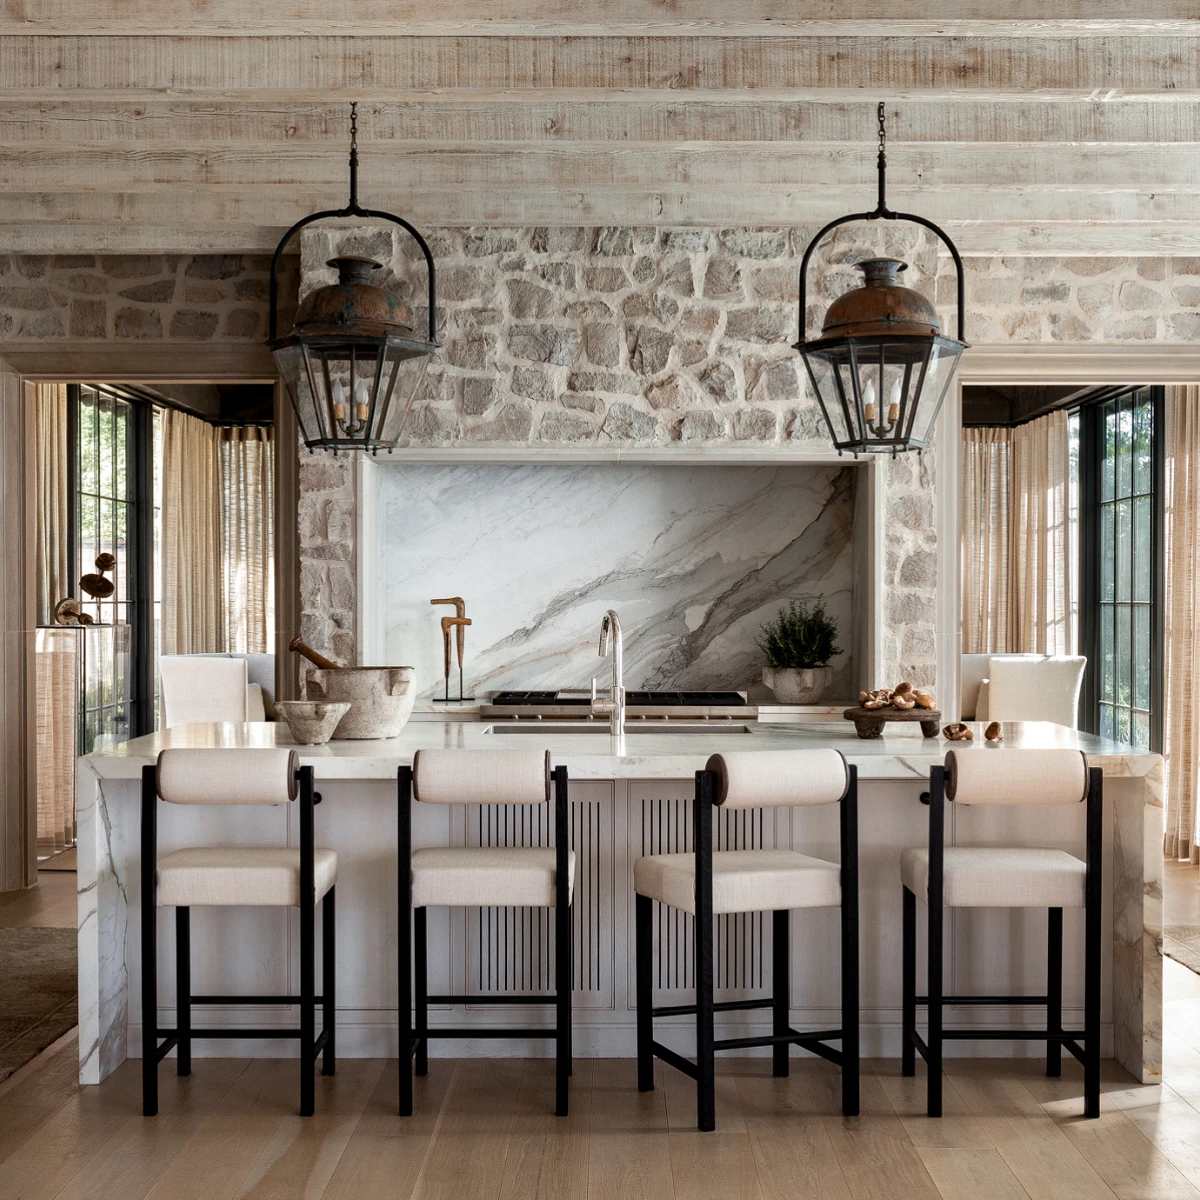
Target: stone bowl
x=312 y=722
x=794 y=685
x=381 y=698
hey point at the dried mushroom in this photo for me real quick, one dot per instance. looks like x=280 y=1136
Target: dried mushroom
x=924 y=699
x=992 y=733
x=958 y=732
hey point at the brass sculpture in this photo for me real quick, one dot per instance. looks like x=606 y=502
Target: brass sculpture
x=459 y=623
x=97 y=586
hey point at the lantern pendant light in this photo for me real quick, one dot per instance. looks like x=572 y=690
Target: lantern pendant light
x=352 y=363
x=882 y=366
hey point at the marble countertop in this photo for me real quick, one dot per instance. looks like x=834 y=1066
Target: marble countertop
x=902 y=755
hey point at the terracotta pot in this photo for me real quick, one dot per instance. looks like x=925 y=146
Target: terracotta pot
x=797 y=685
x=381 y=698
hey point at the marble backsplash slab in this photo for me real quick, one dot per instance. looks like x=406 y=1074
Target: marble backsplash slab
x=694 y=560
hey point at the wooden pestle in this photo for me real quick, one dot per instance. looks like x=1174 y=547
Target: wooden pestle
x=314 y=656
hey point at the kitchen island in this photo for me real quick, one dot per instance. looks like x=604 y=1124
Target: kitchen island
x=627 y=799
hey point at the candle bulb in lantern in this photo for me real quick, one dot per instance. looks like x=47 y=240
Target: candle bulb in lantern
x=869 y=401
x=894 y=403
x=338 y=394
x=362 y=400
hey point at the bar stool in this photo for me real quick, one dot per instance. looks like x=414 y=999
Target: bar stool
x=1006 y=877
x=229 y=876
x=482 y=876
x=705 y=884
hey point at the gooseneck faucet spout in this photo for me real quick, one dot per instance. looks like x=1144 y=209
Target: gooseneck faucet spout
x=614 y=707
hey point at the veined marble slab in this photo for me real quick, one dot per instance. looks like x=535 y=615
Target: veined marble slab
x=360 y=779
x=694 y=560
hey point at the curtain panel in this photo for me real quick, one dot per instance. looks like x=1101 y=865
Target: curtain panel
x=1016 y=549
x=1181 y=618
x=246 y=459
x=190 y=620
x=52 y=468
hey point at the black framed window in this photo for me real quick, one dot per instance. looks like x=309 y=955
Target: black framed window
x=110 y=444
x=1121 y=558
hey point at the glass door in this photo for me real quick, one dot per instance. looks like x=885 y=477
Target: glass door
x=1122 y=556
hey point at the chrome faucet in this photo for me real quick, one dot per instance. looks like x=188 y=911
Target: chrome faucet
x=615 y=705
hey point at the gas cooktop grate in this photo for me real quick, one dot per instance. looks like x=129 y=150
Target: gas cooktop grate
x=632 y=699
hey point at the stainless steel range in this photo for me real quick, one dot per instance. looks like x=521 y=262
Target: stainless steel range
x=570 y=705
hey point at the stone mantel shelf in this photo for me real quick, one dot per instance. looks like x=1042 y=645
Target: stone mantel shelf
x=665 y=755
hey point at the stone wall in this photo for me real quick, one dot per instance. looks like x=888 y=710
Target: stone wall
x=137 y=297
x=659 y=337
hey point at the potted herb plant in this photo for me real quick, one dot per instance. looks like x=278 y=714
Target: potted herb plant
x=799 y=644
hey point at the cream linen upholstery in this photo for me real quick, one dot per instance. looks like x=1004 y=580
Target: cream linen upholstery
x=1025 y=688
x=775 y=778
x=228 y=776
x=481 y=776
x=225 y=876
x=743 y=880
x=988 y=776
x=1000 y=877
x=199 y=688
x=468 y=877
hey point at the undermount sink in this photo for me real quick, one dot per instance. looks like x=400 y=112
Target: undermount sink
x=635 y=728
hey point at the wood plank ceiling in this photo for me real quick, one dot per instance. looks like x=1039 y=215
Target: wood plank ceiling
x=1032 y=127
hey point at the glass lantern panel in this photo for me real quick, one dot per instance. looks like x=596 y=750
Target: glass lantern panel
x=827 y=385
x=939 y=372
x=400 y=380
x=293 y=370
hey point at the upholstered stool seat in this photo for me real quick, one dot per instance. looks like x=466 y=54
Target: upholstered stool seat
x=470 y=876
x=706 y=884
x=999 y=877
x=960 y=877
x=300 y=877
x=204 y=876
x=506 y=876
x=742 y=881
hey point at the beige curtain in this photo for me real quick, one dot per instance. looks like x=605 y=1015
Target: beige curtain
x=53 y=565
x=246 y=456
x=57 y=673
x=1182 y=618
x=191 y=619
x=985 y=522
x=1016 y=560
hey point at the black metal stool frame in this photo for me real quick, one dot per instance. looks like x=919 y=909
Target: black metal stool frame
x=782 y=1035
x=180 y=1038
x=1084 y=1044
x=415 y=1031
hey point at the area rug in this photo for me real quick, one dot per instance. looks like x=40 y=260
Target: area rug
x=1182 y=943
x=38 y=992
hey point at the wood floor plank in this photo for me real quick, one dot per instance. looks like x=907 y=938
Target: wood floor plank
x=546 y=1157
x=303 y=1154
x=629 y=1157
x=792 y=1150
x=130 y=1163
x=1036 y=1150
x=386 y=1152
x=44 y=1163
x=710 y=1166
x=874 y=1150
x=24 y=1109
x=968 y=1173
x=1174 y=1129
x=217 y=1159
x=956 y=1129
x=466 y=1158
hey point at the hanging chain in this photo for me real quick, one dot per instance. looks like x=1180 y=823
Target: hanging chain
x=882 y=208
x=353 y=205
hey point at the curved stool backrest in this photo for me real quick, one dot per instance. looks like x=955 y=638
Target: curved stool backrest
x=779 y=778
x=481 y=776
x=241 y=775
x=987 y=776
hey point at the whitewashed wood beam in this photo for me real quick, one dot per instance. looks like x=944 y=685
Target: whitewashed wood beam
x=912 y=169
x=376 y=67
x=739 y=117
x=728 y=204
x=556 y=17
